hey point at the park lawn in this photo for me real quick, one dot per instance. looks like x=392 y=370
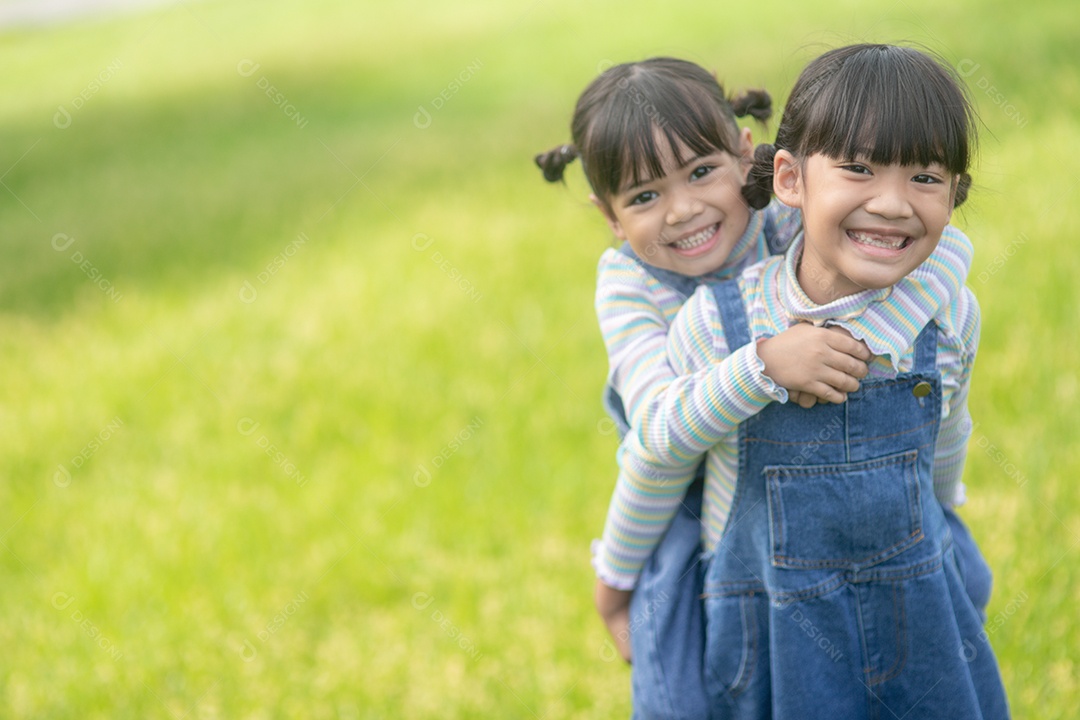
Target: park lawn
x=301 y=413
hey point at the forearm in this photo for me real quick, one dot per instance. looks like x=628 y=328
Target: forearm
x=696 y=411
x=641 y=509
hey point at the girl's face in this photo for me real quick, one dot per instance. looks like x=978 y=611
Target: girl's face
x=689 y=220
x=866 y=225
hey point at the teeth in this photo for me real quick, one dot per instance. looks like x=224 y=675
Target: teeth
x=696 y=239
x=890 y=242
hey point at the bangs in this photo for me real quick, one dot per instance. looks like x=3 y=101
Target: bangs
x=644 y=111
x=890 y=105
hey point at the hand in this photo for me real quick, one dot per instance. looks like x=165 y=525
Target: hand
x=815 y=364
x=614 y=607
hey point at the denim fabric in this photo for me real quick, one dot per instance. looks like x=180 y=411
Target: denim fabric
x=667 y=623
x=836 y=588
x=666 y=612
x=973 y=567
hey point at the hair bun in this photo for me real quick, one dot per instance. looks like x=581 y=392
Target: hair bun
x=758 y=190
x=554 y=161
x=755 y=103
x=963 y=185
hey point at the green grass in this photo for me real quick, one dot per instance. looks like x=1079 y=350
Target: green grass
x=390 y=462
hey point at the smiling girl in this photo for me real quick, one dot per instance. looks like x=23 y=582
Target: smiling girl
x=837 y=582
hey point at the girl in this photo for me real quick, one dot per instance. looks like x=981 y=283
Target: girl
x=834 y=584
x=666 y=162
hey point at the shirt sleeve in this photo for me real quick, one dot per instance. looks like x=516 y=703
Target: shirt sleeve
x=635 y=331
x=951 y=450
x=713 y=393
x=889 y=327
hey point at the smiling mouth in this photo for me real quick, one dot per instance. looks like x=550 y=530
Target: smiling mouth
x=887 y=242
x=697 y=239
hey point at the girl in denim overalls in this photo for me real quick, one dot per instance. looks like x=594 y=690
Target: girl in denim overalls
x=839 y=583
x=627 y=108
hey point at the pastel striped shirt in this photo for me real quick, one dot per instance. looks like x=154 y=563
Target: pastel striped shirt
x=719 y=387
x=635 y=309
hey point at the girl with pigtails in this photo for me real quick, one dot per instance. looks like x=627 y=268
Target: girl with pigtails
x=667 y=164
x=836 y=579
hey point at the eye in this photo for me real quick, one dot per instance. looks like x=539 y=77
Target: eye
x=701 y=171
x=926 y=179
x=643 y=198
x=856 y=168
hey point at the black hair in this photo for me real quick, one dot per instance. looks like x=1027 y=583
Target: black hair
x=619 y=114
x=891 y=104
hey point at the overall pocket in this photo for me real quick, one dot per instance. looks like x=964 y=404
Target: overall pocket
x=843 y=516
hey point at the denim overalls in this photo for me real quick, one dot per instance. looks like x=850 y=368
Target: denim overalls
x=835 y=590
x=666 y=613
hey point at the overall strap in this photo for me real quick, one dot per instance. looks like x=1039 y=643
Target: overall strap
x=732 y=313
x=681 y=284
x=926 y=350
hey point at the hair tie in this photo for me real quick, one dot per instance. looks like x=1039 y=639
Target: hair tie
x=758 y=190
x=553 y=162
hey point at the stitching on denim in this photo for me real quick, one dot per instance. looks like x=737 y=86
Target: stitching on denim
x=749 y=645
x=906 y=463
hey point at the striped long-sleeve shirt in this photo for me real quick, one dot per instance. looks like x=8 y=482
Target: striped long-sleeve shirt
x=718 y=387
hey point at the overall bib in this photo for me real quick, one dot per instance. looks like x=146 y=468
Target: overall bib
x=835 y=590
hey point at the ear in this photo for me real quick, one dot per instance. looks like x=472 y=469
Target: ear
x=788 y=179
x=609 y=216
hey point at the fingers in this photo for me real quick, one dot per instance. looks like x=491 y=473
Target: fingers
x=841 y=340
x=820 y=392
x=846 y=364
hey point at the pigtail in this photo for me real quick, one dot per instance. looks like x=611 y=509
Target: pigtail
x=963 y=185
x=758 y=190
x=755 y=103
x=554 y=161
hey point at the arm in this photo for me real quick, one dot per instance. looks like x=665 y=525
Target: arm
x=634 y=327
x=962 y=319
x=658 y=458
x=891 y=326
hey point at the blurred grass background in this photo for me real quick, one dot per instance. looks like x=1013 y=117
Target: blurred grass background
x=300 y=416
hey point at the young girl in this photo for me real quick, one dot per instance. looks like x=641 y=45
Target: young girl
x=667 y=162
x=834 y=585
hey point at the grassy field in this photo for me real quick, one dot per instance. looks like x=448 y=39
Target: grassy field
x=301 y=413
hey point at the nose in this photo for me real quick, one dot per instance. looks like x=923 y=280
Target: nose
x=683 y=207
x=890 y=201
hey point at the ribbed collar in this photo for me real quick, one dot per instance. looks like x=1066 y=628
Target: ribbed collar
x=801 y=308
